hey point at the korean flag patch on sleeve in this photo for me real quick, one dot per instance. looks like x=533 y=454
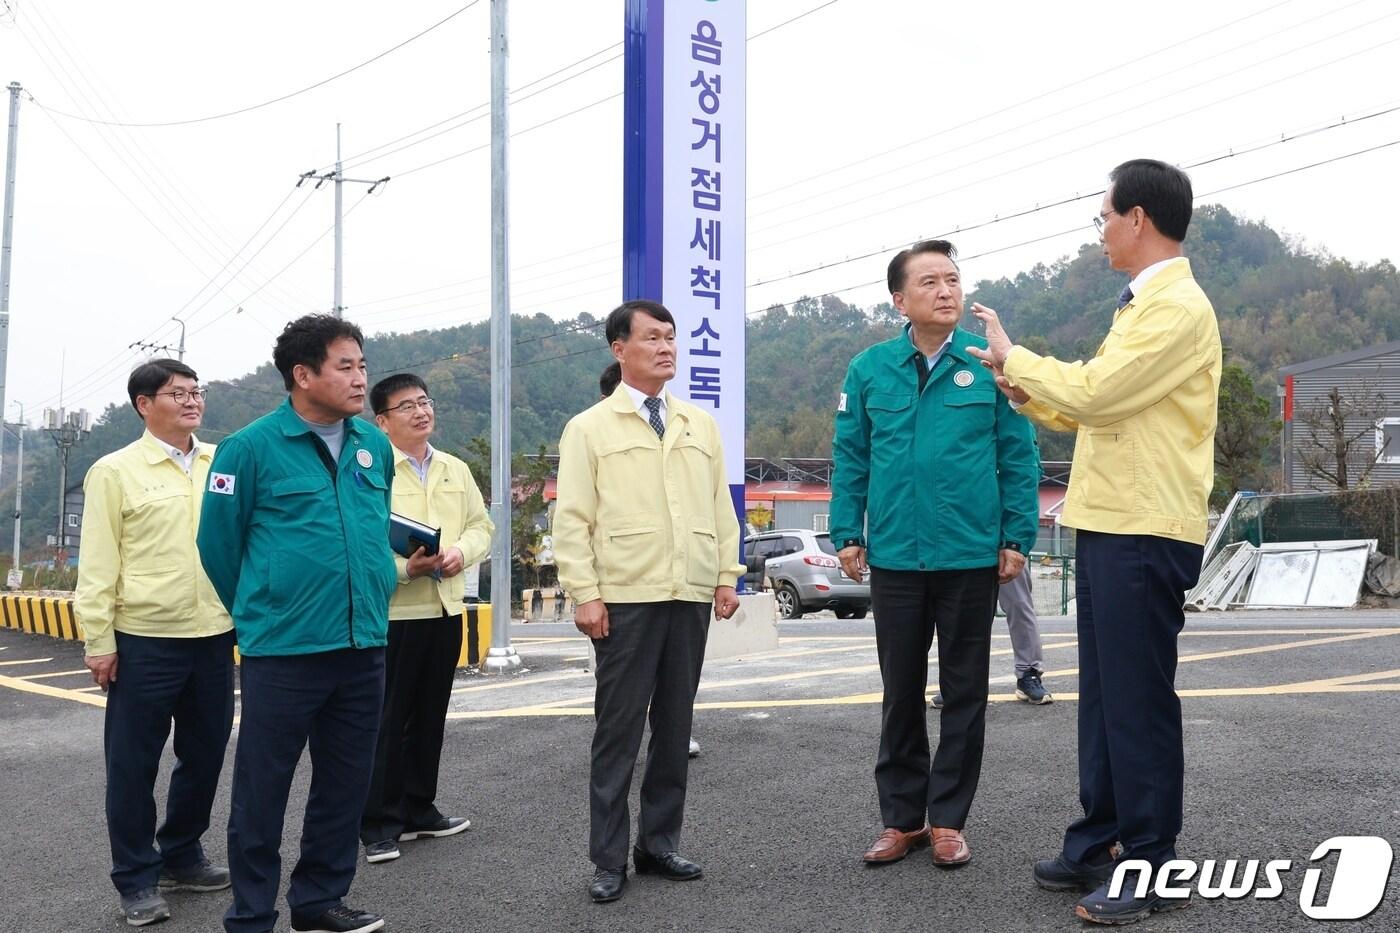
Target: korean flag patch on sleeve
x=222 y=483
x=841 y=405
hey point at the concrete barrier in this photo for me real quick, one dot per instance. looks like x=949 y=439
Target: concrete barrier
x=40 y=615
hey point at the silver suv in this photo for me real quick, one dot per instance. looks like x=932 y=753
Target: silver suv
x=804 y=573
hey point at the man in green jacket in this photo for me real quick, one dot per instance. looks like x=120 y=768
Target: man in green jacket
x=930 y=459
x=294 y=536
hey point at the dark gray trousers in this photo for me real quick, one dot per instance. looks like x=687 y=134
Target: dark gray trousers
x=652 y=656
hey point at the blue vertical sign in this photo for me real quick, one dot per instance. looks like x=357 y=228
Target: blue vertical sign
x=683 y=197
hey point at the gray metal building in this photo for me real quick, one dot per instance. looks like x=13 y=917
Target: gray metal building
x=1369 y=373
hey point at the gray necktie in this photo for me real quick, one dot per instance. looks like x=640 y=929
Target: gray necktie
x=657 y=425
x=1125 y=296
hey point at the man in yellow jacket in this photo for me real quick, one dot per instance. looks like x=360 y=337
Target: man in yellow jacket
x=646 y=541
x=425 y=622
x=1145 y=411
x=158 y=641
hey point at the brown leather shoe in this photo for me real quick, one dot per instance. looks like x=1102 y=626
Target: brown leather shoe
x=894 y=844
x=950 y=848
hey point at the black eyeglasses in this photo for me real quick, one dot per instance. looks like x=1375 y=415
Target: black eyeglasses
x=409 y=407
x=181 y=396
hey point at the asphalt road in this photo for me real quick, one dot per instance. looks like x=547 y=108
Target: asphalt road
x=1292 y=737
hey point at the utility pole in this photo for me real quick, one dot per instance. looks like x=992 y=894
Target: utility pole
x=502 y=656
x=338 y=304
x=16 y=571
x=7 y=241
x=67 y=428
x=182 y=337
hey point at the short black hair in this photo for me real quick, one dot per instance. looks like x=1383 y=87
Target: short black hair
x=150 y=376
x=1162 y=191
x=607 y=382
x=379 y=395
x=894 y=275
x=619 y=325
x=305 y=342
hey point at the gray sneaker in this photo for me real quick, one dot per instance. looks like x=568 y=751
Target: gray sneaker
x=144 y=906
x=385 y=850
x=201 y=876
x=937 y=701
x=694 y=749
x=1028 y=688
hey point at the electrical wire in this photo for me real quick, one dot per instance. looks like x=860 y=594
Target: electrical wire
x=275 y=100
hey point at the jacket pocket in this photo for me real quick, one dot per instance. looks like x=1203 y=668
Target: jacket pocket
x=889 y=416
x=1108 y=471
x=151 y=591
x=702 y=563
x=632 y=551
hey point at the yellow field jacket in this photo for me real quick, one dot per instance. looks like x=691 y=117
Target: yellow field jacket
x=452 y=502
x=138 y=567
x=639 y=519
x=1145 y=410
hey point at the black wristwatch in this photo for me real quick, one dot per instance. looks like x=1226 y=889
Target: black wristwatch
x=853 y=542
x=1010 y=546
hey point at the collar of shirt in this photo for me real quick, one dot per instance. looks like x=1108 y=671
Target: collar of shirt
x=935 y=357
x=1140 y=281
x=420 y=468
x=639 y=402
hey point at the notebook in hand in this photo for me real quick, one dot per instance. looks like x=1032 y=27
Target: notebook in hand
x=406 y=536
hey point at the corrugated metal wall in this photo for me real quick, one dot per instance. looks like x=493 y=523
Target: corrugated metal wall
x=1378 y=373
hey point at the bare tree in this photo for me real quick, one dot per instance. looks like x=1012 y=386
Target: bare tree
x=1338 y=445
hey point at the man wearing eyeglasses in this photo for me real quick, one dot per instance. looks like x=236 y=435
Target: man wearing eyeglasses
x=425 y=626
x=1145 y=411
x=158 y=642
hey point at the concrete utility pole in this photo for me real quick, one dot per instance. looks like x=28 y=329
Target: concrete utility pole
x=502 y=656
x=338 y=303
x=182 y=337
x=7 y=240
x=67 y=428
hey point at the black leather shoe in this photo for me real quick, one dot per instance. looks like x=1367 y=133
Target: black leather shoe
x=1062 y=874
x=1098 y=907
x=668 y=865
x=607 y=884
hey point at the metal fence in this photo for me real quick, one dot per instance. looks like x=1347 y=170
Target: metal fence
x=1278 y=517
x=1052 y=583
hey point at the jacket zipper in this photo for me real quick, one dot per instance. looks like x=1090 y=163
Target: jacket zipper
x=340 y=511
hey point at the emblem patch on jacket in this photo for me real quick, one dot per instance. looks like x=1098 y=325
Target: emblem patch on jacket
x=222 y=483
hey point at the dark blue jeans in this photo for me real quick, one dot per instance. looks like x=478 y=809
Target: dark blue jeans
x=1129 y=591
x=330 y=701
x=160 y=681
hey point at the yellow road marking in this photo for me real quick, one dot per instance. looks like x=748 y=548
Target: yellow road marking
x=1261 y=649
x=523 y=682
x=26 y=686
x=24 y=661
x=55 y=674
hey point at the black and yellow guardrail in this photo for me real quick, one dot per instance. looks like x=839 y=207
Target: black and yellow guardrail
x=42 y=615
x=53 y=616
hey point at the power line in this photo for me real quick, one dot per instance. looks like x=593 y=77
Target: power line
x=1060 y=202
x=1040 y=161
x=1029 y=100
x=159 y=188
x=275 y=100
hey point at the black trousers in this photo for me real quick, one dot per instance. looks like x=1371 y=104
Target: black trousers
x=160 y=681
x=419 y=666
x=652 y=655
x=330 y=701
x=910 y=607
x=1130 y=590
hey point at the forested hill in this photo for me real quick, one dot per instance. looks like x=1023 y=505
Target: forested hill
x=1278 y=302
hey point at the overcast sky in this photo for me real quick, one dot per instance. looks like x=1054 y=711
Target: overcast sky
x=872 y=123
